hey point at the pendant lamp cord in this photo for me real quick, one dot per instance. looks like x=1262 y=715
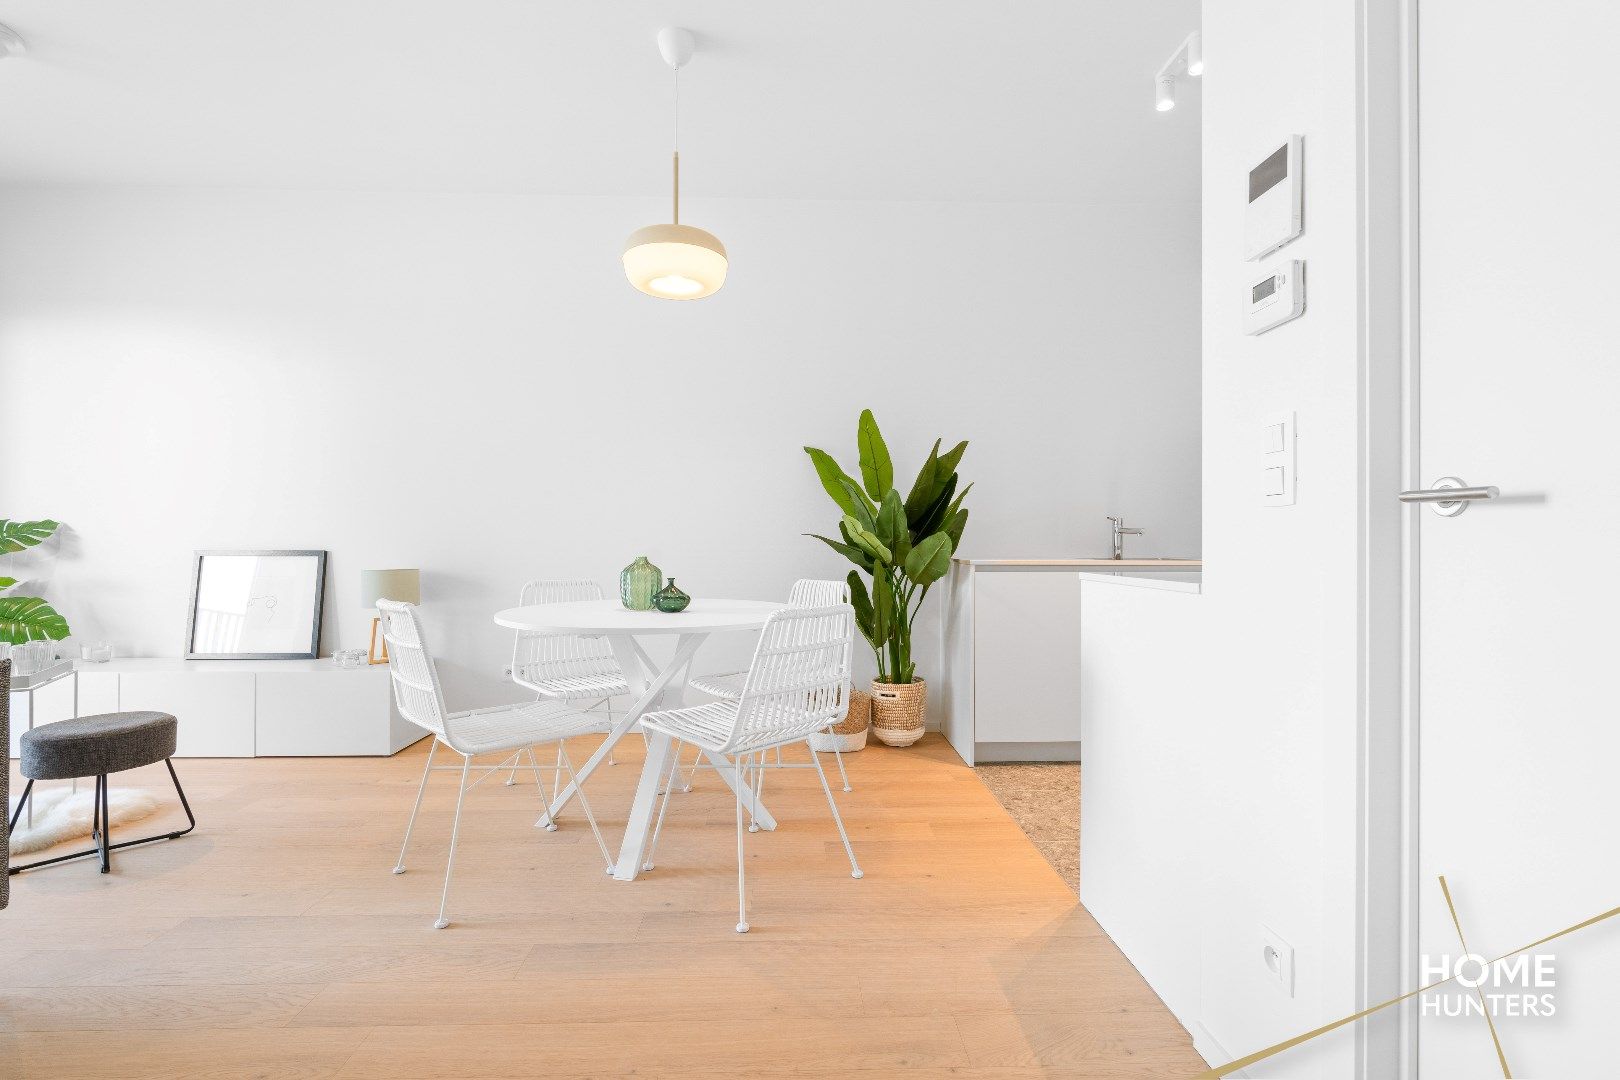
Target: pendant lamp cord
x=677 y=178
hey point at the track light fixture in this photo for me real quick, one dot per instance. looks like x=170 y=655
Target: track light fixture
x=1188 y=59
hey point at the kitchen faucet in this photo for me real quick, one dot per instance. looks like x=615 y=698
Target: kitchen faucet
x=1120 y=533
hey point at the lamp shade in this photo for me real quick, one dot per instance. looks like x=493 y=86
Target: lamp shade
x=675 y=262
x=401 y=585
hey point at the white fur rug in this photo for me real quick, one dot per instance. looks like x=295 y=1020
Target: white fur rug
x=61 y=814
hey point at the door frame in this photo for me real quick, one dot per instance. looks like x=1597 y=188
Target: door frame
x=1388 y=713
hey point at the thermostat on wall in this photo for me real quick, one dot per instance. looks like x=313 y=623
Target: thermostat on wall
x=1276 y=200
x=1275 y=298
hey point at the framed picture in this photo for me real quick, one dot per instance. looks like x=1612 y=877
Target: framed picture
x=255 y=605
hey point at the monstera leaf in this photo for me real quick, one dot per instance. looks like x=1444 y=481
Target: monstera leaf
x=28 y=618
x=17 y=535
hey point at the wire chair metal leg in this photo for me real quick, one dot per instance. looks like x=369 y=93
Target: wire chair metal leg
x=427 y=771
x=663 y=807
x=691 y=773
x=742 y=889
x=540 y=786
x=837 y=756
x=759 y=789
x=585 y=805
x=455 y=831
x=556 y=770
x=855 y=870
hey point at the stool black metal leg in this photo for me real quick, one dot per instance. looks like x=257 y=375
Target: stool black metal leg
x=104 y=848
x=27 y=790
x=95 y=812
x=106 y=822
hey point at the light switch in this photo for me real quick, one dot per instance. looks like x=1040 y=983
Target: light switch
x=1278 y=476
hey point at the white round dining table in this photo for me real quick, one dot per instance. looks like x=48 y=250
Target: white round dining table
x=652 y=687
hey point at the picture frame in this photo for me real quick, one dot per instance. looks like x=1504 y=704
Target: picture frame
x=261 y=604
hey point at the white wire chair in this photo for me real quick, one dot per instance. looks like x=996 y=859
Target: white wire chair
x=566 y=667
x=806 y=592
x=514 y=729
x=796 y=686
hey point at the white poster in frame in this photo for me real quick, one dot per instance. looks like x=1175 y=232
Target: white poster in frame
x=255 y=605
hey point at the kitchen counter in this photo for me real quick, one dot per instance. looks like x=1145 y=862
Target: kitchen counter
x=1141 y=565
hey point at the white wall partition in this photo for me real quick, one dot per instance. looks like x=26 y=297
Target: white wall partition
x=232 y=368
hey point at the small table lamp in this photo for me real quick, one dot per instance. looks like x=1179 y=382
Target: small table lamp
x=402 y=585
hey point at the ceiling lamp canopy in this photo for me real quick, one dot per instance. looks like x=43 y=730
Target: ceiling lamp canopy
x=675 y=261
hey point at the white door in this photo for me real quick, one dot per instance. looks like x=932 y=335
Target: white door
x=1519 y=159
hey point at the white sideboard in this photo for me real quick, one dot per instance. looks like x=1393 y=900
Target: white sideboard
x=41 y=699
x=1011 y=654
x=256 y=708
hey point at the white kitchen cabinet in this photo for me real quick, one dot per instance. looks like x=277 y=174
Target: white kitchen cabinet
x=329 y=712
x=1010 y=654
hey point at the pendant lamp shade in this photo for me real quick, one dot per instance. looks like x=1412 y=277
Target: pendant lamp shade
x=675 y=262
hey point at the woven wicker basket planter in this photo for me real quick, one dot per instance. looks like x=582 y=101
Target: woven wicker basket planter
x=898 y=711
x=849 y=734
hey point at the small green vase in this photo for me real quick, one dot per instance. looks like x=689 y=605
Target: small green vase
x=637 y=584
x=669 y=599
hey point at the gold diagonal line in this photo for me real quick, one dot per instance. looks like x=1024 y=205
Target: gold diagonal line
x=1489 y=1022
x=1287 y=1044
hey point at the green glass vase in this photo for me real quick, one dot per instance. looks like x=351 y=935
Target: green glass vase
x=669 y=599
x=637 y=584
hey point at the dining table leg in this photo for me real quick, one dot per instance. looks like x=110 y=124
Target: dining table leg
x=647 y=691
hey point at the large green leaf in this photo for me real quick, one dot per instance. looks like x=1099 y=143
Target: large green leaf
x=883 y=609
x=865 y=510
x=954 y=526
x=950 y=460
x=833 y=479
x=848 y=551
x=867 y=541
x=929 y=560
x=922 y=490
x=891 y=525
x=7 y=582
x=28 y=618
x=16 y=535
x=877 y=470
x=933 y=517
x=862 y=603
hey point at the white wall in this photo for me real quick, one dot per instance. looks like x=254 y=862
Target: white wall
x=1264 y=803
x=466 y=383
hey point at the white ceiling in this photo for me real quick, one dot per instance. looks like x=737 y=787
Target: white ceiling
x=1038 y=100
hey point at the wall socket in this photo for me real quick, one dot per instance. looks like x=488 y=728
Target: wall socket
x=1278 y=956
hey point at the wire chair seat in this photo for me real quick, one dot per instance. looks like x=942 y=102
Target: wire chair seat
x=511 y=727
x=577 y=679
x=729 y=685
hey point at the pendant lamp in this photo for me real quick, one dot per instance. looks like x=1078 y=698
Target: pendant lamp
x=675 y=261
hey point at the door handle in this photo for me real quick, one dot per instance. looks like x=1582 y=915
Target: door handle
x=1450 y=496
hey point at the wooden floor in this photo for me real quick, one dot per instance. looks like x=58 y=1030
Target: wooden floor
x=274 y=942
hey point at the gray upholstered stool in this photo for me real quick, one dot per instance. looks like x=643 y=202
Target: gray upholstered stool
x=95 y=746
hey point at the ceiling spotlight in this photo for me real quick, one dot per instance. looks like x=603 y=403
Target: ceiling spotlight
x=1188 y=59
x=1164 y=93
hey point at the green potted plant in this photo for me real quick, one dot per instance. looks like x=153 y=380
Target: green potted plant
x=903 y=546
x=26 y=618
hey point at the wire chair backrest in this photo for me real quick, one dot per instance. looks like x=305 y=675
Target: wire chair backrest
x=416 y=681
x=799 y=680
x=808 y=592
x=533 y=650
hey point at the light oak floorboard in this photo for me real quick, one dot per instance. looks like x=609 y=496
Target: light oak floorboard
x=274 y=942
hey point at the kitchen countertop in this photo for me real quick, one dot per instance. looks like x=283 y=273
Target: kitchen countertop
x=1139 y=565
